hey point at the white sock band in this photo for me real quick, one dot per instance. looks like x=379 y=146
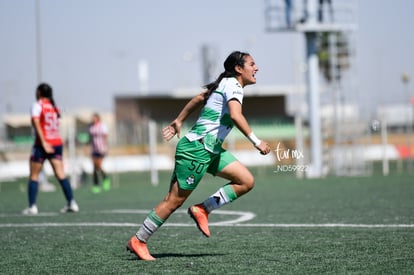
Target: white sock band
x=146 y=230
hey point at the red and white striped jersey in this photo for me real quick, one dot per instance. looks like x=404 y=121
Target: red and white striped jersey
x=49 y=121
x=98 y=133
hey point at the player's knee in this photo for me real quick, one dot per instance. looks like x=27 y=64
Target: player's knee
x=247 y=182
x=250 y=183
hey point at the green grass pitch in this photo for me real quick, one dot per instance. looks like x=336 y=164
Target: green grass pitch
x=335 y=225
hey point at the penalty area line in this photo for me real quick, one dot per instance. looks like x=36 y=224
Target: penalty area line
x=240 y=220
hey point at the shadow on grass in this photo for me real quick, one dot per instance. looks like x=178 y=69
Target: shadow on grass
x=184 y=255
x=178 y=255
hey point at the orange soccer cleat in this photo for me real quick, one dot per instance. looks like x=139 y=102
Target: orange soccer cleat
x=200 y=216
x=139 y=248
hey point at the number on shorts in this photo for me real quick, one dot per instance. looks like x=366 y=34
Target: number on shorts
x=196 y=167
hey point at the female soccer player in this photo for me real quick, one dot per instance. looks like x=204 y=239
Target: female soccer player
x=201 y=151
x=48 y=145
x=98 y=133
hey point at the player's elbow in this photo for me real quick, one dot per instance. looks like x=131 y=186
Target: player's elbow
x=235 y=116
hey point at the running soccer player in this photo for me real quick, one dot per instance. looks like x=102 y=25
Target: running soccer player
x=98 y=133
x=48 y=145
x=201 y=151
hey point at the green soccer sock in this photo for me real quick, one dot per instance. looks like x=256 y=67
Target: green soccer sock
x=223 y=196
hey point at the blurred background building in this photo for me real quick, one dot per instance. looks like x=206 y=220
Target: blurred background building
x=326 y=86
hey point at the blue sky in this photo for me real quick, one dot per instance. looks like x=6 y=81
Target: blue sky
x=91 y=48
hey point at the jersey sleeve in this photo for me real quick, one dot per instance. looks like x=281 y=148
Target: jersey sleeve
x=36 y=110
x=234 y=91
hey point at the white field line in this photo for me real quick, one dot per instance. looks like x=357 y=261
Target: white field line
x=241 y=216
x=274 y=225
x=42 y=214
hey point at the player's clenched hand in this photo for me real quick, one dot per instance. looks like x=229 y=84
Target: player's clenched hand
x=171 y=130
x=168 y=133
x=264 y=148
x=48 y=148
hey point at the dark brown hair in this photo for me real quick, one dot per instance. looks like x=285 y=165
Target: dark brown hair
x=236 y=58
x=46 y=91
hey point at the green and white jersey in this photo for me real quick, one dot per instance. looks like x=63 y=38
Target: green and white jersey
x=214 y=122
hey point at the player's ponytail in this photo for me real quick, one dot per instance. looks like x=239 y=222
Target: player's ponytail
x=236 y=58
x=46 y=91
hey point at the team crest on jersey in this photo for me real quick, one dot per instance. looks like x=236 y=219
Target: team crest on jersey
x=190 y=179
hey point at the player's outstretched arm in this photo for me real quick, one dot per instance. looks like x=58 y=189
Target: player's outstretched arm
x=175 y=126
